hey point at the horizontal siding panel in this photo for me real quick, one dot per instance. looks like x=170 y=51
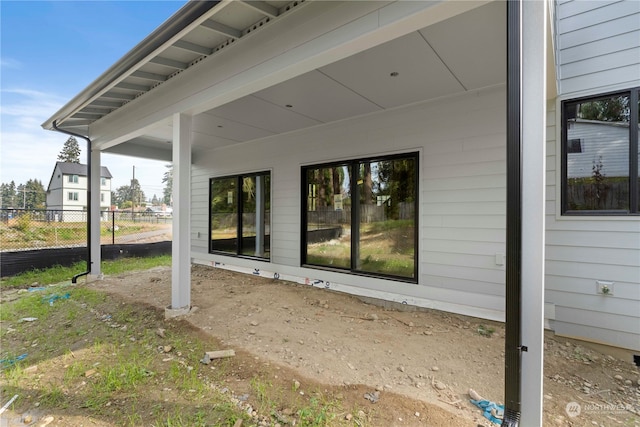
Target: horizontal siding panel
x=593 y=271
x=474 y=221
x=600 y=304
x=475 y=195
x=432 y=207
x=464 y=183
x=599 y=31
x=470 y=170
x=627 y=76
x=466 y=157
x=484 y=288
x=466 y=247
x=602 y=63
x=549 y=207
x=610 y=256
x=600 y=47
x=622 y=290
x=589 y=238
x=457 y=234
x=575 y=7
x=589 y=18
x=461 y=272
x=611 y=337
x=484 y=261
x=614 y=322
x=627 y=225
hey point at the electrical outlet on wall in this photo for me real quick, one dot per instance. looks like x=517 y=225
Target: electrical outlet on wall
x=604 y=287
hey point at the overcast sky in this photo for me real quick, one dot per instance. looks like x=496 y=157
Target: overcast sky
x=52 y=50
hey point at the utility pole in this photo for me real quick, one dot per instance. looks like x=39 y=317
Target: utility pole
x=133 y=196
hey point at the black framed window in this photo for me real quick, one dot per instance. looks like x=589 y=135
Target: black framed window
x=361 y=216
x=600 y=155
x=239 y=215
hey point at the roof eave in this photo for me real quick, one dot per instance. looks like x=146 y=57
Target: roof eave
x=161 y=35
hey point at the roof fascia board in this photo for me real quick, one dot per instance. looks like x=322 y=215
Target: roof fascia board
x=181 y=22
x=319 y=34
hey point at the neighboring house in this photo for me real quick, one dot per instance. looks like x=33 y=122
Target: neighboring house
x=67 y=191
x=362 y=147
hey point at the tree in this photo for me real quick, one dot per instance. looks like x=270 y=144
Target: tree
x=614 y=109
x=8 y=195
x=167 y=180
x=35 y=195
x=70 y=151
x=127 y=194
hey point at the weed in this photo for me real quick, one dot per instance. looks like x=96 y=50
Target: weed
x=316 y=414
x=54 y=397
x=486 y=331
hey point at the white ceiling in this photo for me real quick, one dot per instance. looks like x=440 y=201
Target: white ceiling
x=463 y=53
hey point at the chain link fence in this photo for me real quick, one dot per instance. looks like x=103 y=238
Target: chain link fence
x=40 y=229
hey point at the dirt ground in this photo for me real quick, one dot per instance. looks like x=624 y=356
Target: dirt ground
x=418 y=364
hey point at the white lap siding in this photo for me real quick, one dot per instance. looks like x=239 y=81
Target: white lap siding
x=461 y=141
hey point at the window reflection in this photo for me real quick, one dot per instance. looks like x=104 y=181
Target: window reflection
x=597 y=154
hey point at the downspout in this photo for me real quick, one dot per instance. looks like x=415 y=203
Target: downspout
x=513 y=280
x=74 y=279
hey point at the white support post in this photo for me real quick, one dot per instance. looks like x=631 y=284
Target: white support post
x=95 y=212
x=534 y=43
x=180 y=249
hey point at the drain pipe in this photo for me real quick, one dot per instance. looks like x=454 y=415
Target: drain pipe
x=74 y=279
x=513 y=298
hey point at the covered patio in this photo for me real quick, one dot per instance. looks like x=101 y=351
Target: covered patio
x=226 y=88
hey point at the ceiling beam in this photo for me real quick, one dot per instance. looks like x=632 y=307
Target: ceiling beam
x=262 y=7
x=168 y=63
x=95 y=111
x=86 y=116
x=192 y=47
x=131 y=86
x=149 y=76
x=222 y=29
x=116 y=95
x=98 y=103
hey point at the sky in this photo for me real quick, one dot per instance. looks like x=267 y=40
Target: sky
x=49 y=52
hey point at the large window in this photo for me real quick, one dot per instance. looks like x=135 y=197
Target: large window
x=240 y=214
x=360 y=216
x=72 y=195
x=600 y=155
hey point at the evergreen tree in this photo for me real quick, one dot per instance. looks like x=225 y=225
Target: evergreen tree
x=35 y=196
x=70 y=151
x=127 y=194
x=167 y=180
x=8 y=195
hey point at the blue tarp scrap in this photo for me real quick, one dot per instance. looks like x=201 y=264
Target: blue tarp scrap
x=5 y=363
x=487 y=406
x=50 y=299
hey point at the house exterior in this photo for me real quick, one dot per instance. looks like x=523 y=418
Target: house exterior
x=67 y=191
x=364 y=147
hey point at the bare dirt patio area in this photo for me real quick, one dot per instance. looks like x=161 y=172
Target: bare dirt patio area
x=417 y=365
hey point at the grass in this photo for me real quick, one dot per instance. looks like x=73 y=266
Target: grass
x=59 y=273
x=97 y=357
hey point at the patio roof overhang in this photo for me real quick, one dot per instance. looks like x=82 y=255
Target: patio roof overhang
x=248 y=70
x=238 y=71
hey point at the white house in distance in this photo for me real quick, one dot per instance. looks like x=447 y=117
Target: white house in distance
x=67 y=190
x=384 y=128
